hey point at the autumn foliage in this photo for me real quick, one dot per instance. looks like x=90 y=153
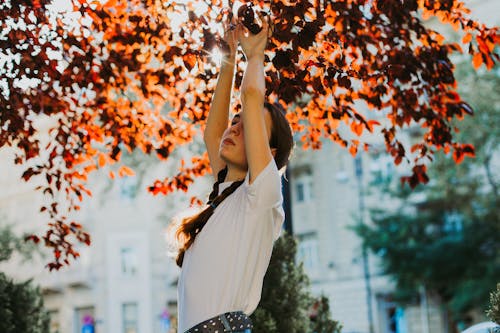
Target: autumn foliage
x=139 y=75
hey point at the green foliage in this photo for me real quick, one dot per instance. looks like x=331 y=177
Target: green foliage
x=444 y=235
x=321 y=321
x=21 y=304
x=10 y=243
x=285 y=298
x=494 y=310
x=21 y=308
x=286 y=303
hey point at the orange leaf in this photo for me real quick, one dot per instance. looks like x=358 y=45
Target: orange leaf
x=477 y=60
x=357 y=128
x=467 y=38
x=353 y=150
x=458 y=156
x=125 y=171
x=372 y=123
x=111 y=175
x=439 y=38
x=189 y=61
x=102 y=160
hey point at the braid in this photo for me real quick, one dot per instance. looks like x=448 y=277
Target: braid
x=221 y=176
x=191 y=226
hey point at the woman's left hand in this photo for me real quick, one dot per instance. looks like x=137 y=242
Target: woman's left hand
x=254 y=45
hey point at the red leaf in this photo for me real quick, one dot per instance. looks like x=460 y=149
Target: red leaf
x=189 y=61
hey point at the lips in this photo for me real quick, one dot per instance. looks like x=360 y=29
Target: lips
x=228 y=141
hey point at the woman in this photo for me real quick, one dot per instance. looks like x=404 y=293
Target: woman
x=225 y=249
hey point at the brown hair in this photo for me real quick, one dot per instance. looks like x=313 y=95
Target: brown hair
x=281 y=139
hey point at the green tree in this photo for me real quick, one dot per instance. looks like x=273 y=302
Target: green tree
x=286 y=302
x=494 y=310
x=21 y=304
x=321 y=321
x=10 y=243
x=21 y=308
x=444 y=235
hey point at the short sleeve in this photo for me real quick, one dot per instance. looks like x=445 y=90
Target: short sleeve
x=264 y=195
x=265 y=190
x=278 y=218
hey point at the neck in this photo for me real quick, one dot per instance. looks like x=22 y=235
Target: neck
x=234 y=173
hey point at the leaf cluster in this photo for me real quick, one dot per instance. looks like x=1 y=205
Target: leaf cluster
x=127 y=78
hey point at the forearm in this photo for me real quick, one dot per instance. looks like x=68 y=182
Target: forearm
x=254 y=84
x=219 y=109
x=253 y=91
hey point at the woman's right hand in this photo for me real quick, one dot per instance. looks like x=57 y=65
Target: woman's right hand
x=231 y=37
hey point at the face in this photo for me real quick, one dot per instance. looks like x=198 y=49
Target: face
x=232 y=145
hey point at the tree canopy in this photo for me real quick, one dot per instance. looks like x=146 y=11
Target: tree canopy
x=139 y=75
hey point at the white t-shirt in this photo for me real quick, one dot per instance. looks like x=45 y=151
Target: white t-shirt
x=224 y=268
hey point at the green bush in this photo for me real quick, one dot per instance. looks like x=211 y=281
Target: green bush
x=21 y=308
x=286 y=303
x=494 y=310
x=321 y=321
x=21 y=304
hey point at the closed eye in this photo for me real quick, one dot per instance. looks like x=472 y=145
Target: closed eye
x=236 y=119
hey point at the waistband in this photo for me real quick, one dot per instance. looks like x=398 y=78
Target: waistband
x=226 y=322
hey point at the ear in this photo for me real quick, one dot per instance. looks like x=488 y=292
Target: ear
x=273 y=152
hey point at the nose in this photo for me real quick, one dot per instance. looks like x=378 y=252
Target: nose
x=235 y=129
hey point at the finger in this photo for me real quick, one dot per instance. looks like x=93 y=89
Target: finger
x=233 y=19
x=238 y=30
x=270 y=25
x=264 y=19
x=242 y=30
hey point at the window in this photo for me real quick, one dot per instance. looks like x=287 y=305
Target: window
x=128 y=261
x=129 y=185
x=300 y=192
x=307 y=251
x=54 y=321
x=130 y=317
x=381 y=169
x=84 y=320
x=303 y=188
x=392 y=318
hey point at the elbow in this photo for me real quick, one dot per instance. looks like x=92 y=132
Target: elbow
x=251 y=92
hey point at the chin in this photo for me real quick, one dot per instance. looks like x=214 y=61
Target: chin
x=238 y=163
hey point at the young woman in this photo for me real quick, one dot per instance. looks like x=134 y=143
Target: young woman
x=225 y=249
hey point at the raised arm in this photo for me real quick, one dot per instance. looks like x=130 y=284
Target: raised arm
x=218 y=116
x=253 y=89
